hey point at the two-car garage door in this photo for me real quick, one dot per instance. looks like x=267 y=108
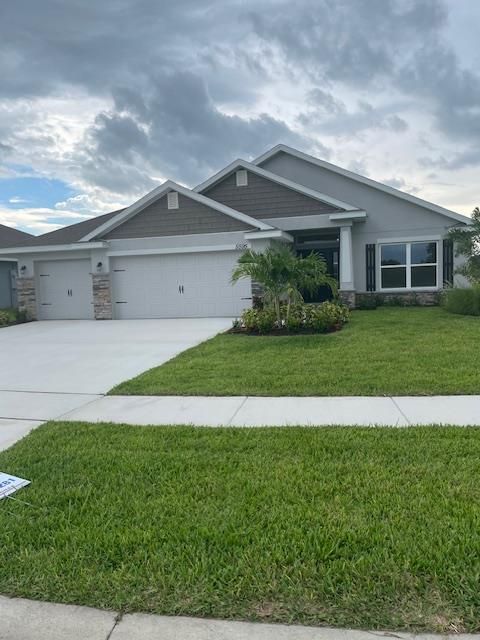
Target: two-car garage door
x=183 y=285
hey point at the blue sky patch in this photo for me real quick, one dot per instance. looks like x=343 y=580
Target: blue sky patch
x=33 y=192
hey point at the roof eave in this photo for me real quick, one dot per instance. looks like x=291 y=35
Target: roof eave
x=73 y=246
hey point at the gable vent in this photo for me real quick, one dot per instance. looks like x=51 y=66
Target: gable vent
x=242 y=178
x=172 y=199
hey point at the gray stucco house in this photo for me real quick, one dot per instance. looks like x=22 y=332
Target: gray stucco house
x=171 y=253
x=8 y=267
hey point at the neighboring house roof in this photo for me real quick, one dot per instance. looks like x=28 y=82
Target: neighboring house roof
x=73 y=232
x=283 y=148
x=299 y=188
x=158 y=193
x=10 y=237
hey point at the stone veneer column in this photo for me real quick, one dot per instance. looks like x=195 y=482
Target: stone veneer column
x=348 y=298
x=26 y=297
x=102 y=297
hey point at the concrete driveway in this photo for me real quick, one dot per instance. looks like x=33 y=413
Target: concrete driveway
x=50 y=368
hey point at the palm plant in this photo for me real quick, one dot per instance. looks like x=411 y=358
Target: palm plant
x=467 y=240
x=283 y=275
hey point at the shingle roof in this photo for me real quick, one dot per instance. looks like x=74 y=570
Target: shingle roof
x=10 y=237
x=71 y=233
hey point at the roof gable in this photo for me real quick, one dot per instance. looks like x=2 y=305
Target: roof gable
x=282 y=148
x=264 y=199
x=191 y=217
x=206 y=186
x=156 y=195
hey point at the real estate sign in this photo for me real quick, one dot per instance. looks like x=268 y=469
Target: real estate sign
x=9 y=484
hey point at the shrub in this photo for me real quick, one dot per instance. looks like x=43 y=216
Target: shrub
x=465 y=301
x=327 y=316
x=249 y=319
x=258 y=320
x=4 y=318
x=296 y=317
x=318 y=318
x=12 y=316
x=266 y=321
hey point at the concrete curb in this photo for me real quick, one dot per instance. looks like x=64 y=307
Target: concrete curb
x=22 y=619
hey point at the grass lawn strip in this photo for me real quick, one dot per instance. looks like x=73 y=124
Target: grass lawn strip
x=370 y=528
x=389 y=351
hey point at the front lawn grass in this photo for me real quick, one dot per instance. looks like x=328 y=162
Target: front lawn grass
x=373 y=527
x=389 y=351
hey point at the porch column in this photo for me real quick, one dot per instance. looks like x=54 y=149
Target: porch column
x=346 y=259
x=347 y=286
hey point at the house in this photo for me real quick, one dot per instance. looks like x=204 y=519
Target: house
x=171 y=253
x=8 y=266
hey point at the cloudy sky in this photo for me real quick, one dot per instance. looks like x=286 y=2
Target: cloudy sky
x=102 y=101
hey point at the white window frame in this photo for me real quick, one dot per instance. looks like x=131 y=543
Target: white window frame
x=408 y=264
x=172 y=199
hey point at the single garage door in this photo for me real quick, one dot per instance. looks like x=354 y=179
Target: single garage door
x=193 y=285
x=64 y=290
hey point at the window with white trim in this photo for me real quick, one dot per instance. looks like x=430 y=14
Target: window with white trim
x=172 y=199
x=409 y=265
x=242 y=178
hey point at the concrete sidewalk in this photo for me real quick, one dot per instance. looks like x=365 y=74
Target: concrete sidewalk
x=234 y=411
x=238 y=411
x=30 y=620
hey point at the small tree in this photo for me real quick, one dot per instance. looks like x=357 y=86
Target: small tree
x=467 y=243
x=283 y=275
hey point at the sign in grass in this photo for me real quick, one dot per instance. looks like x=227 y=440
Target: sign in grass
x=9 y=484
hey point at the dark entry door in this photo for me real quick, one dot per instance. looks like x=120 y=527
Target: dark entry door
x=330 y=255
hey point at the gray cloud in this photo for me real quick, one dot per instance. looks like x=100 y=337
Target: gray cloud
x=329 y=115
x=177 y=131
x=355 y=42
x=395 y=45
x=435 y=75
x=468 y=158
x=4 y=149
x=181 y=81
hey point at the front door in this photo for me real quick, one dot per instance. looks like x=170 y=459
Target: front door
x=330 y=255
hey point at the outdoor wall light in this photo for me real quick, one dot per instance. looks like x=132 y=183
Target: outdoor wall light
x=99 y=266
x=23 y=268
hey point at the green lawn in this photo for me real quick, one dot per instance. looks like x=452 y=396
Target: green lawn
x=373 y=528
x=389 y=351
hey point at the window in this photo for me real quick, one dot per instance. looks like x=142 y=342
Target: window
x=172 y=199
x=408 y=265
x=242 y=178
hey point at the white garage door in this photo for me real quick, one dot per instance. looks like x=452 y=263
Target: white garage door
x=193 y=285
x=64 y=290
